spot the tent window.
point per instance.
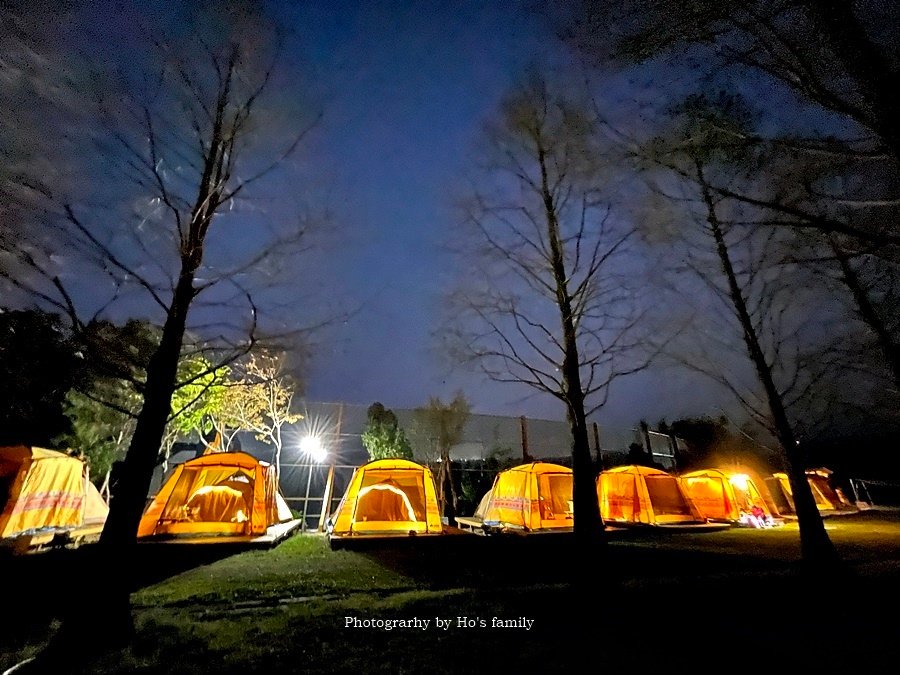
(211, 494)
(665, 496)
(390, 496)
(556, 495)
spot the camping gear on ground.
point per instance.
(726, 495)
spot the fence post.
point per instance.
(325, 511)
(523, 425)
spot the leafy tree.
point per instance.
(103, 407)
(444, 423)
(258, 399)
(383, 436)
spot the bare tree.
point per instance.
(771, 312)
(546, 301)
(833, 172)
(159, 224)
(444, 424)
(838, 54)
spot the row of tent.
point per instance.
(235, 497)
(397, 497)
(47, 497)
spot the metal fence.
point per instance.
(304, 489)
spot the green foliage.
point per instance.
(200, 396)
(103, 408)
(383, 436)
(100, 432)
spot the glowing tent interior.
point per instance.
(826, 496)
(222, 496)
(722, 495)
(388, 497)
(634, 495)
(45, 493)
(533, 497)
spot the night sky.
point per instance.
(405, 89)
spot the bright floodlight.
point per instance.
(312, 447)
(740, 480)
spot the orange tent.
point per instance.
(642, 495)
(719, 494)
(388, 497)
(531, 497)
(826, 497)
(44, 491)
(224, 493)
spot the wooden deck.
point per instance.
(274, 535)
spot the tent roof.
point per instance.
(639, 470)
(541, 467)
(393, 464)
(22, 452)
(709, 473)
(239, 459)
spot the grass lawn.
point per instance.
(662, 600)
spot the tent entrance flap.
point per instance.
(391, 497)
(216, 494)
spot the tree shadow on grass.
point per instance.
(45, 586)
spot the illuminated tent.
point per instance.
(723, 495)
(531, 497)
(388, 497)
(47, 492)
(641, 495)
(224, 494)
(825, 496)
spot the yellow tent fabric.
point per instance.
(45, 490)
(720, 494)
(223, 493)
(532, 497)
(388, 497)
(826, 497)
(642, 495)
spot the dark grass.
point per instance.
(660, 599)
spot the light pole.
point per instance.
(312, 447)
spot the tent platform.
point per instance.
(477, 526)
(274, 535)
(75, 536)
(473, 525)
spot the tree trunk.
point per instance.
(867, 312)
(445, 486)
(115, 557)
(588, 525)
(816, 548)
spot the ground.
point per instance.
(660, 599)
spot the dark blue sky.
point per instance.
(406, 88)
